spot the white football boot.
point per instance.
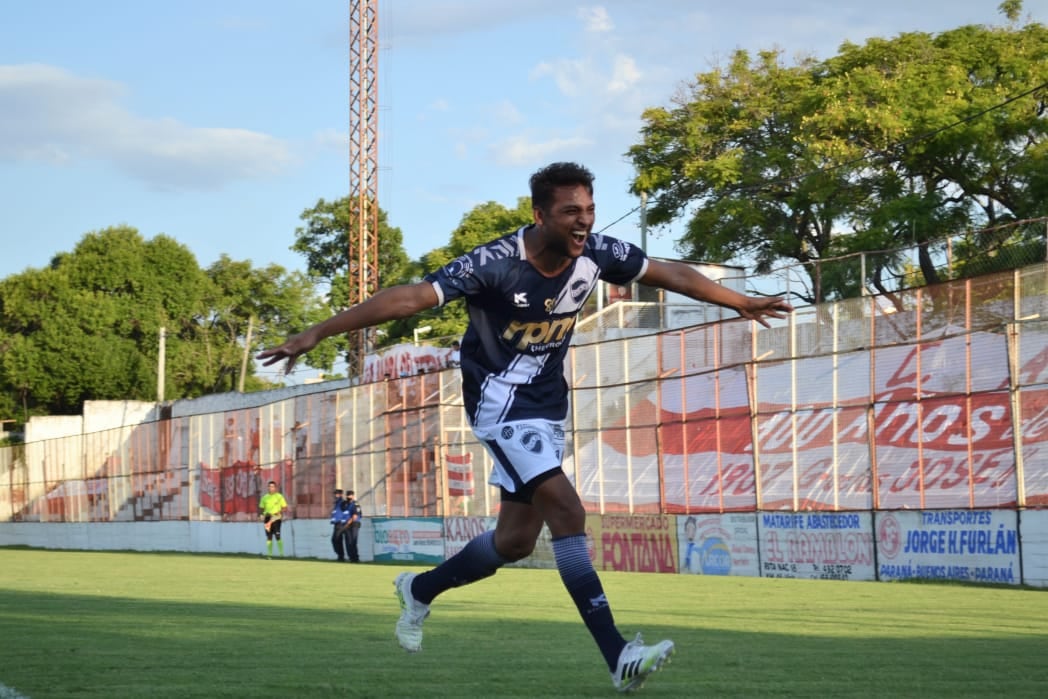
(412, 614)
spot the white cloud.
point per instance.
(595, 19)
(624, 74)
(48, 114)
(420, 21)
(591, 77)
(333, 139)
(506, 113)
(437, 106)
(569, 75)
(520, 151)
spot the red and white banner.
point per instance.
(405, 360)
(460, 474)
(237, 489)
(935, 431)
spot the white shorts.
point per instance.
(522, 450)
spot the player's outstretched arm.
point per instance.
(388, 304)
(682, 279)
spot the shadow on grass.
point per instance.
(62, 645)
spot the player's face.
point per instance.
(569, 220)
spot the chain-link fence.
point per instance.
(922, 263)
(928, 396)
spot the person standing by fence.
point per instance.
(353, 527)
(340, 526)
(271, 509)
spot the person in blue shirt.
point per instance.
(353, 526)
(340, 526)
(523, 292)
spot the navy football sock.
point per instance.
(478, 560)
(580, 578)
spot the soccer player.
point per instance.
(523, 292)
(271, 509)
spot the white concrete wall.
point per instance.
(303, 538)
(221, 402)
(1033, 542)
(44, 427)
(102, 415)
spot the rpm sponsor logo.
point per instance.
(538, 336)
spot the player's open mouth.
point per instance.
(579, 236)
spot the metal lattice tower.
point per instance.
(363, 165)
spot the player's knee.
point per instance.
(565, 519)
(514, 548)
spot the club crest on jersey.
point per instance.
(531, 441)
(549, 305)
(460, 267)
(621, 250)
(507, 432)
(579, 289)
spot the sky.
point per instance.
(219, 122)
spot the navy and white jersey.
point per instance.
(521, 322)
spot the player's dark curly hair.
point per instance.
(556, 175)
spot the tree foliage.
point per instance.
(482, 224)
(897, 141)
(324, 241)
(87, 327)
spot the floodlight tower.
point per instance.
(363, 166)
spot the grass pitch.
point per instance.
(93, 624)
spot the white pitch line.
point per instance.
(8, 693)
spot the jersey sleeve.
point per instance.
(458, 278)
(620, 262)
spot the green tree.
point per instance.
(954, 126)
(87, 327)
(896, 141)
(738, 153)
(246, 309)
(482, 224)
(324, 241)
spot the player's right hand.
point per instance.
(291, 350)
